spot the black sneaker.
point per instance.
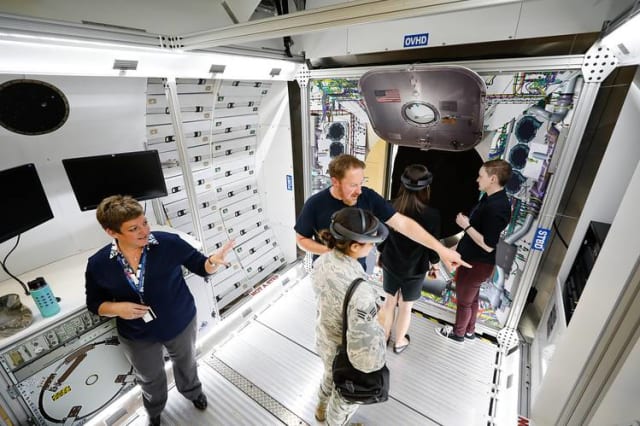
(447, 331)
(470, 336)
(200, 402)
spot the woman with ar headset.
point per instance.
(351, 235)
(405, 262)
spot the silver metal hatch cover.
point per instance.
(426, 106)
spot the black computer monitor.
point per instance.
(138, 174)
(24, 203)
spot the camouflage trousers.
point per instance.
(339, 411)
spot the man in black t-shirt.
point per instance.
(482, 230)
(346, 190)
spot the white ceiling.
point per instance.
(154, 16)
(448, 22)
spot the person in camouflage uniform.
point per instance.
(332, 274)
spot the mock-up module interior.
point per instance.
(426, 107)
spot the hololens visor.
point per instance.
(416, 185)
(377, 235)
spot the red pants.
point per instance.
(468, 282)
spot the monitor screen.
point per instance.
(138, 174)
(24, 203)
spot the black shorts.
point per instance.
(411, 287)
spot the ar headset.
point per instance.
(377, 235)
(416, 185)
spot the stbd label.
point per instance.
(540, 239)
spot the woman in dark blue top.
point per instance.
(138, 279)
(405, 262)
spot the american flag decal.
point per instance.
(390, 95)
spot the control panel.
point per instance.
(42, 345)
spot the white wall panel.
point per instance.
(472, 26)
(274, 164)
(106, 116)
(614, 198)
(323, 44)
(552, 17)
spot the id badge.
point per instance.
(149, 316)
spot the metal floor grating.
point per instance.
(434, 382)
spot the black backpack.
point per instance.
(352, 384)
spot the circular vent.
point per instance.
(32, 107)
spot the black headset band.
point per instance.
(416, 185)
(376, 235)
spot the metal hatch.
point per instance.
(426, 107)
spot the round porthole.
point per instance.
(419, 113)
(32, 107)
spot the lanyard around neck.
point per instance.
(135, 280)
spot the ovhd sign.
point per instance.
(416, 40)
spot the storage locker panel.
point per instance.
(158, 117)
(234, 146)
(196, 128)
(159, 131)
(240, 289)
(215, 238)
(175, 189)
(252, 230)
(195, 100)
(243, 110)
(264, 270)
(196, 114)
(228, 285)
(176, 209)
(193, 85)
(270, 261)
(251, 251)
(240, 122)
(243, 88)
(235, 175)
(197, 141)
(226, 273)
(169, 158)
(182, 221)
(207, 203)
(155, 88)
(162, 146)
(187, 228)
(213, 230)
(203, 180)
(228, 165)
(243, 191)
(229, 133)
(157, 101)
(219, 132)
(236, 224)
(158, 141)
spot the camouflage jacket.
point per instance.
(331, 276)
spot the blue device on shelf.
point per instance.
(43, 296)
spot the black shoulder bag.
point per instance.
(352, 384)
